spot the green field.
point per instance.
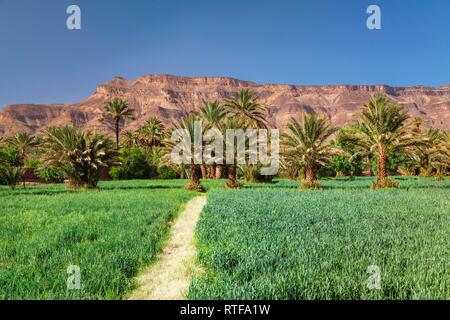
(110, 234)
(263, 241)
(277, 242)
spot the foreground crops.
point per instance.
(109, 234)
(283, 243)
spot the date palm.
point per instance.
(244, 112)
(184, 141)
(151, 133)
(116, 111)
(433, 154)
(23, 142)
(245, 108)
(78, 154)
(385, 131)
(213, 113)
(305, 146)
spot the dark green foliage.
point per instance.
(167, 172)
(133, 165)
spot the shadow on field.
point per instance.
(140, 187)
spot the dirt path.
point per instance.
(169, 277)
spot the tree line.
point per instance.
(385, 141)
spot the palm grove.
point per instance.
(383, 142)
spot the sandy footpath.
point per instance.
(169, 277)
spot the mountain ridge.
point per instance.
(169, 97)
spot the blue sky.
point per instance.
(296, 42)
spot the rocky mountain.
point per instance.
(170, 97)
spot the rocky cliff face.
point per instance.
(169, 97)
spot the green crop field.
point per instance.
(263, 241)
(109, 233)
(278, 242)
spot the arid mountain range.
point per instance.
(170, 97)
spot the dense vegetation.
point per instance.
(274, 242)
(110, 234)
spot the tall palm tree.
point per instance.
(79, 154)
(385, 130)
(117, 110)
(305, 146)
(213, 113)
(244, 112)
(188, 124)
(23, 142)
(151, 133)
(245, 107)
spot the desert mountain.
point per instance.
(170, 97)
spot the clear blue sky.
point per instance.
(276, 41)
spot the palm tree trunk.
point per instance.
(219, 171)
(203, 171)
(117, 129)
(194, 183)
(310, 175)
(382, 164)
(232, 177)
(369, 165)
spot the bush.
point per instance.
(167, 172)
(10, 175)
(9, 156)
(134, 165)
(49, 174)
(32, 164)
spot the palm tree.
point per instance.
(243, 112)
(188, 125)
(213, 113)
(79, 154)
(245, 107)
(305, 147)
(116, 110)
(349, 136)
(433, 155)
(152, 132)
(129, 138)
(385, 131)
(23, 142)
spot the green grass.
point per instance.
(274, 241)
(109, 233)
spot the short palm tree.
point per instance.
(187, 125)
(23, 142)
(305, 146)
(433, 154)
(117, 110)
(78, 154)
(129, 139)
(385, 131)
(151, 133)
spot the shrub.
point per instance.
(10, 175)
(78, 154)
(133, 165)
(167, 172)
